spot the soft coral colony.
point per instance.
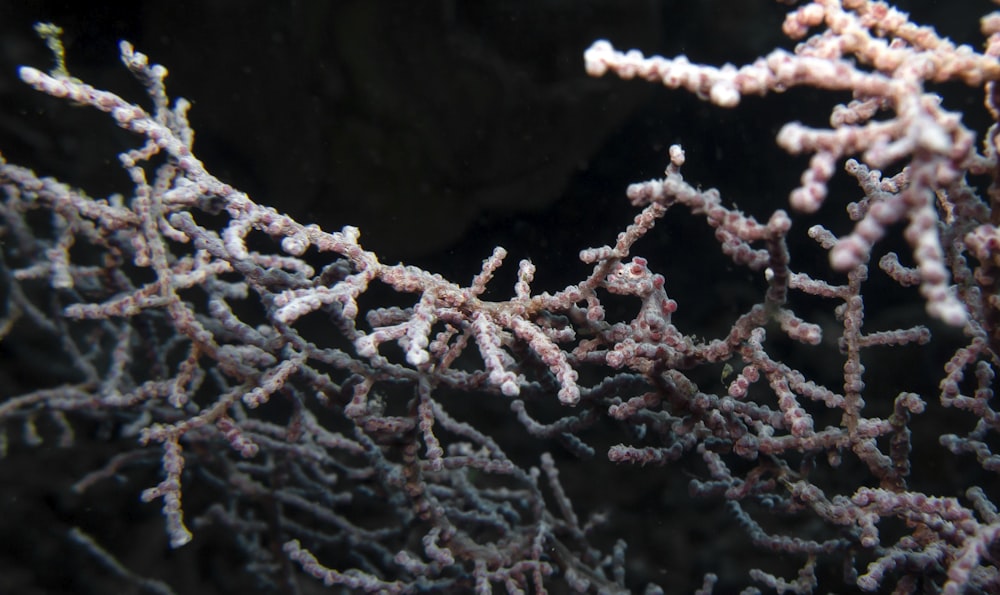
(342, 454)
